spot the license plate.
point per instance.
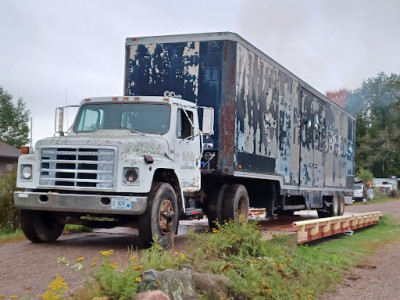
(121, 203)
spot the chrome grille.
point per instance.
(77, 167)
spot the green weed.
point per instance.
(9, 216)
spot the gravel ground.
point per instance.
(379, 276)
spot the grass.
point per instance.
(256, 269)
(7, 235)
(71, 228)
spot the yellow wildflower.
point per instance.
(92, 265)
(55, 289)
(114, 265)
(182, 255)
(107, 253)
(2, 296)
(137, 267)
(280, 266)
(80, 259)
(138, 279)
(95, 258)
(13, 297)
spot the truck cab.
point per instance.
(134, 159)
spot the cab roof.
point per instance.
(138, 99)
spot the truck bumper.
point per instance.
(81, 203)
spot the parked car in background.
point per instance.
(386, 186)
(360, 192)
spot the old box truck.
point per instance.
(207, 124)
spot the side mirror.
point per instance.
(208, 121)
(59, 121)
(59, 118)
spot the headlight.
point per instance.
(130, 175)
(27, 171)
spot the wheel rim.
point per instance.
(166, 216)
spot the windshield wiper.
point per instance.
(132, 130)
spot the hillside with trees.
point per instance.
(376, 105)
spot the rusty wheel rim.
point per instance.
(166, 216)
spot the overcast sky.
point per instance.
(54, 53)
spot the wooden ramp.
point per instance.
(311, 230)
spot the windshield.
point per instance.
(141, 117)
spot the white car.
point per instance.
(360, 192)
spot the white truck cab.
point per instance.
(123, 156)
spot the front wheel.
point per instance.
(40, 226)
(161, 217)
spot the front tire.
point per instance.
(40, 226)
(161, 217)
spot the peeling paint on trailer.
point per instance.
(268, 122)
(283, 128)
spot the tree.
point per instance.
(14, 119)
(339, 96)
(377, 107)
(364, 175)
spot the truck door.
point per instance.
(187, 149)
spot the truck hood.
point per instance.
(128, 143)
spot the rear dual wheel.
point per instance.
(228, 202)
(336, 207)
(236, 203)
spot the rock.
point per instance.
(178, 285)
(214, 285)
(183, 284)
(152, 295)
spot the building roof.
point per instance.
(9, 151)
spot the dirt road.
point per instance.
(379, 277)
(27, 268)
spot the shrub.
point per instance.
(9, 216)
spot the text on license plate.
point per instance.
(121, 203)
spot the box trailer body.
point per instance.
(270, 126)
